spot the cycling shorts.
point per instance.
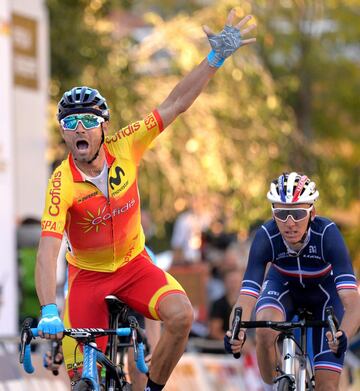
(140, 284)
(277, 293)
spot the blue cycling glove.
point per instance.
(342, 344)
(50, 322)
(227, 344)
(223, 45)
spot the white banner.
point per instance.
(23, 111)
(8, 269)
(215, 372)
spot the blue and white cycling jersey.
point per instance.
(324, 255)
(310, 278)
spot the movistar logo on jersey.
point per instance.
(116, 180)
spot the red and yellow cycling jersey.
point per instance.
(103, 233)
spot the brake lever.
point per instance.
(236, 327)
(25, 337)
(332, 321)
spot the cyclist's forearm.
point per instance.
(351, 319)
(185, 92)
(45, 270)
(247, 304)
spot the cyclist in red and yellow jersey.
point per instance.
(93, 200)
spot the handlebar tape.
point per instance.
(140, 362)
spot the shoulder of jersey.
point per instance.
(320, 223)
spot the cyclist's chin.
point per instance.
(292, 238)
(81, 156)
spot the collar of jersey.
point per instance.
(294, 253)
(76, 173)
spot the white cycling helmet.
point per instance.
(292, 188)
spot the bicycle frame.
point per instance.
(92, 356)
(296, 376)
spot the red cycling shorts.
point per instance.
(139, 283)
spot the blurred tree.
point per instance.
(230, 143)
(312, 50)
(242, 131)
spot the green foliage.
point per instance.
(287, 103)
(29, 304)
(312, 51)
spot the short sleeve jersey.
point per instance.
(103, 233)
(324, 255)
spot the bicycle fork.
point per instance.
(287, 369)
(90, 369)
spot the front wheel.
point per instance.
(83, 385)
(284, 384)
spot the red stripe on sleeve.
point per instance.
(54, 234)
(159, 120)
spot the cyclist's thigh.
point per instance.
(84, 307)
(146, 285)
(275, 298)
(323, 296)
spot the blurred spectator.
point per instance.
(187, 234)
(216, 239)
(234, 257)
(220, 309)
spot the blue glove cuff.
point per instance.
(342, 344)
(215, 60)
(227, 344)
(49, 310)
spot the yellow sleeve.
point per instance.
(137, 136)
(56, 205)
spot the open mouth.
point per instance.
(82, 145)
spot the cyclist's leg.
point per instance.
(327, 367)
(84, 307)
(157, 295)
(274, 304)
(152, 331)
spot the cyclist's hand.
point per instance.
(50, 325)
(234, 347)
(338, 347)
(228, 40)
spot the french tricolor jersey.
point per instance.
(324, 256)
(103, 233)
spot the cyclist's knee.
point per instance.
(177, 313)
(266, 338)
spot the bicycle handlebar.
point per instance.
(28, 334)
(283, 326)
(237, 324)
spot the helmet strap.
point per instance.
(98, 150)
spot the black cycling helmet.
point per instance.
(83, 100)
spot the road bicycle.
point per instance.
(295, 372)
(113, 377)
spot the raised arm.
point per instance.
(189, 88)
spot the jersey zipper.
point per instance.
(300, 273)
